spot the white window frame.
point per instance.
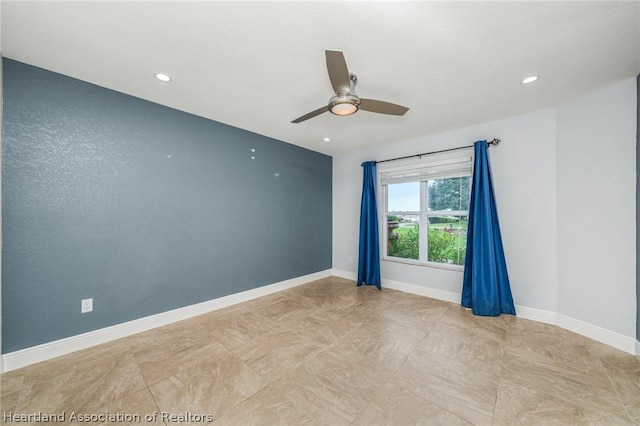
(457, 163)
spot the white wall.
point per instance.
(596, 172)
(524, 174)
(536, 176)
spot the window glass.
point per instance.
(404, 197)
(403, 217)
(447, 239)
(444, 219)
(449, 194)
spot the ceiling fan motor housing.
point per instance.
(346, 103)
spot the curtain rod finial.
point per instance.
(494, 142)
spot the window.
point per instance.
(426, 209)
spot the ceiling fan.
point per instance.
(345, 101)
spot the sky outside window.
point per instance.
(403, 197)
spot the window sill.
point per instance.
(435, 265)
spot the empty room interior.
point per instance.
(336, 213)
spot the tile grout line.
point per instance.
(419, 396)
(613, 385)
(500, 376)
(411, 353)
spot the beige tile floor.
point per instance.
(330, 353)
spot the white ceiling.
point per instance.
(259, 65)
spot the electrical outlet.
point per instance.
(86, 306)
(350, 259)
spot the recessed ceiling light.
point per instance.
(529, 79)
(326, 140)
(163, 77)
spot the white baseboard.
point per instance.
(535, 314)
(602, 335)
(45, 351)
(344, 274)
(608, 337)
(433, 293)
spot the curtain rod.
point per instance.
(492, 142)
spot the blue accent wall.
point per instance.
(142, 208)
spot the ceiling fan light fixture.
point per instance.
(344, 105)
(344, 109)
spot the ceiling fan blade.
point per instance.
(338, 72)
(382, 107)
(311, 114)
